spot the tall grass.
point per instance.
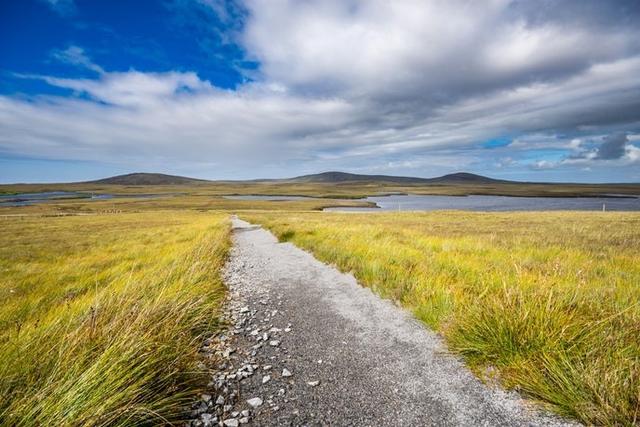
(549, 301)
(102, 315)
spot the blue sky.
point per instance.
(251, 89)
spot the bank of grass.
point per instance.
(549, 301)
(101, 315)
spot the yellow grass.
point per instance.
(548, 301)
(102, 315)
(177, 202)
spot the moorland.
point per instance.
(106, 301)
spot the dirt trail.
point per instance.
(354, 359)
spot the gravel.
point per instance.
(337, 354)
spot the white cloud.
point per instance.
(76, 55)
(362, 85)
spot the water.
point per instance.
(26, 199)
(495, 203)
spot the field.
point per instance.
(336, 190)
(547, 303)
(180, 202)
(102, 315)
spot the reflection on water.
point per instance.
(495, 203)
(25, 199)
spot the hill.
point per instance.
(337, 177)
(324, 177)
(140, 178)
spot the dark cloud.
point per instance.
(613, 147)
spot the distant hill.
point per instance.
(337, 177)
(325, 177)
(148, 179)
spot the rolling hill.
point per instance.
(336, 177)
(141, 178)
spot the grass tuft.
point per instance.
(103, 316)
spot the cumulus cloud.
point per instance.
(404, 87)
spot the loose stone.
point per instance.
(255, 402)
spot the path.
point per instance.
(354, 359)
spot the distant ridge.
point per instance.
(141, 178)
(454, 178)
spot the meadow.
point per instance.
(335, 190)
(545, 303)
(102, 316)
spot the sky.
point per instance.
(545, 90)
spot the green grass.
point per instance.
(178, 203)
(102, 315)
(548, 301)
(341, 190)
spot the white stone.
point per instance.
(254, 402)
(286, 373)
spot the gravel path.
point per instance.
(309, 346)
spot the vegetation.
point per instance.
(105, 301)
(177, 202)
(546, 302)
(102, 315)
(337, 190)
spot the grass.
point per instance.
(341, 190)
(102, 315)
(547, 303)
(178, 202)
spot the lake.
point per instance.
(494, 203)
(25, 199)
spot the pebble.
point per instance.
(286, 373)
(266, 379)
(266, 367)
(274, 343)
(244, 420)
(254, 402)
(313, 383)
(207, 419)
(231, 422)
